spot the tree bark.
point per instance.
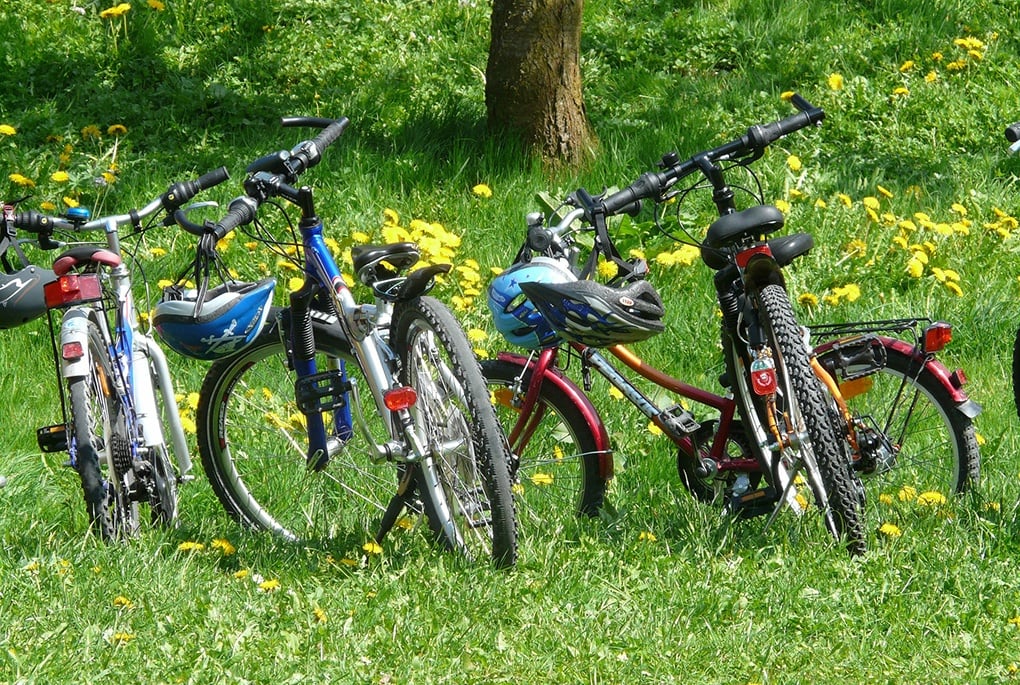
(533, 77)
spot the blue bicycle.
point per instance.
(331, 415)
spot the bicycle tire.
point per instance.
(841, 493)
(253, 440)
(469, 458)
(927, 443)
(97, 429)
(556, 470)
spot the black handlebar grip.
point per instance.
(241, 211)
(182, 191)
(1013, 132)
(628, 200)
(762, 135)
(34, 222)
(309, 153)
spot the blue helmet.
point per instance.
(223, 322)
(516, 318)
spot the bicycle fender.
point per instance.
(584, 405)
(952, 381)
(74, 334)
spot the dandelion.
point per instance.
(647, 536)
(615, 393)
(884, 192)
(476, 335)
(871, 202)
(907, 66)
(890, 530)
(390, 217)
(122, 602)
(7, 130)
(294, 283)
(156, 5)
(116, 11)
(907, 493)
(885, 498)
(608, 270)
(820, 204)
(957, 65)
(224, 546)
(189, 546)
(91, 132)
(654, 429)
(954, 288)
(793, 161)
(931, 498)
(372, 547)
(116, 130)
(1015, 621)
(959, 209)
(835, 81)
(241, 574)
(856, 248)
(901, 91)
(931, 77)
(539, 478)
(23, 181)
(808, 300)
(121, 638)
(319, 615)
(992, 506)
(269, 585)
(845, 200)
(481, 190)
(783, 206)
(915, 268)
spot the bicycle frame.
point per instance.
(130, 349)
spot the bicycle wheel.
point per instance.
(253, 443)
(911, 428)
(464, 483)
(100, 451)
(556, 457)
(837, 490)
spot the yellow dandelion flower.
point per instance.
(116, 11)
(820, 204)
(907, 493)
(23, 181)
(269, 585)
(653, 429)
(116, 130)
(957, 65)
(372, 547)
(91, 132)
(954, 288)
(59, 177)
(224, 546)
(931, 498)
(608, 270)
(1015, 621)
(122, 602)
(190, 546)
(109, 177)
(786, 95)
(915, 268)
(931, 77)
(907, 66)
(647, 536)
(793, 161)
(890, 530)
(872, 215)
(476, 335)
(319, 615)
(242, 573)
(188, 424)
(856, 247)
(885, 498)
(936, 56)
(808, 300)
(156, 5)
(539, 478)
(391, 217)
(871, 202)
(796, 194)
(845, 200)
(802, 501)
(783, 206)
(884, 192)
(481, 190)
(7, 130)
(121, 638)
(835, 81)
(959, 209)
(900, 241)
(992, 506)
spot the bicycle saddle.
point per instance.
(377, 262)
(757, 220)
(84, 254)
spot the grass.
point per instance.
(695, 598)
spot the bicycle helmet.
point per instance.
(514, 315)
(598, 315)
(21, 295)
(214, 324)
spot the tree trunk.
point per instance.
(533, 77)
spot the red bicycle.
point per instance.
(872, 399)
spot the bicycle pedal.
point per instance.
(52, 438)
(321, 392)
(680, 420)
(753, 503)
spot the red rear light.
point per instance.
(400, 398)
(72, 350)
(937, 336)
(72, 289)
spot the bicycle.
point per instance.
(1013, 137)
(284, 433)
(116, 395)
(774, 404)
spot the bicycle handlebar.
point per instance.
(174, 197)
(652, 184)
(270, 176)
(1013, 132)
